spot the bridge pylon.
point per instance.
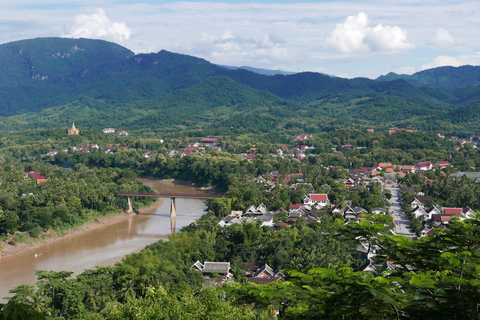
(173, 215)
(130, 204)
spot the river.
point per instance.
(102, 246)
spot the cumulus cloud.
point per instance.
(232, 48)
(442, 61)
(443, 39)
(355, 35)
(97, 26)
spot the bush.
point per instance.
(35, 232)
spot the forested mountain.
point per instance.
(448, 77)
(52, 81)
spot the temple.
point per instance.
(73, 130)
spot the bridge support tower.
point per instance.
(130, 204)
(173, 215)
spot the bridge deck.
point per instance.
(171, 195)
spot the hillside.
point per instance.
(446, 77)
(53, 81)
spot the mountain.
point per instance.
(447, 77)
(266, 72)
(52, 81)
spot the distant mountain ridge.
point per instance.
(48, 81)
(266, 72)
(448, 77)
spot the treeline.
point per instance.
(68, 197)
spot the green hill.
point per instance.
(52, 81)
(447, 77)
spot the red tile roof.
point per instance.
(451, 211)
(295, 206)
(319, 197)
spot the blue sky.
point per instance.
(364, 38)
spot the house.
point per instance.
(108, 130)
(351, 212)
(263, 274)
(452, 211)
(37, 176)
(384, 165)
(261, 209)
(267, 219)
(442, 219)
(423, 166)
(468, 213)
(442, 164)
(222, 268)
(229, 220)
(408, 169)
(350, 183)
(209, 142)
(303, 137)
(318, 200)
(419, 213)
(379, 211)
(123, 133)
(419, 201)
(372, 267)
(433, 211)
(296, 213)
(300, 177)
(295, 206)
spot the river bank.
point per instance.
(9, 247)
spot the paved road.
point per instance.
(400, 219)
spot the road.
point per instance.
(400, 219)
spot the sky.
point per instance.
(364, 38)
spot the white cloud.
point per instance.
(97, 26)
(443, 39)
(355, 35)
(233, 48)
(442, 61)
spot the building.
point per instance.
(73, 131)
(108, 130)
(318, 200)
(123, 133)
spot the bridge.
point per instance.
(172, 196)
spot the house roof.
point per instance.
(423, 164)
(318, 197)
(451, 211)
(219, 267)
(385, 164)
(295, 206)
(466, 209)
(265, 268)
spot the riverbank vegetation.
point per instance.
(62, 199)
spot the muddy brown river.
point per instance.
(102, 246)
